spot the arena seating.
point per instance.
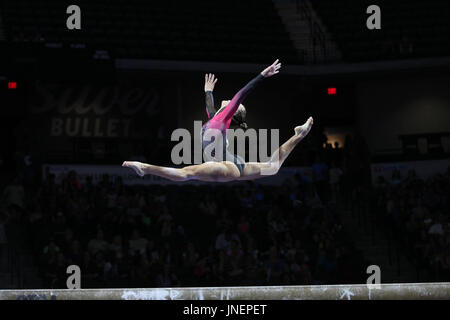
(237, 31)
(233, 31)
(409, 28)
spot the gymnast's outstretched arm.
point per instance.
(210, 82)
(233, 105)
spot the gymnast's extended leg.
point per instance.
(256, 170)
(209, 171)
(226, 171)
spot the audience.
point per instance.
(265, 236)
(184, 235)
(418, 212)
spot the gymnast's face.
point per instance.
(224, 103)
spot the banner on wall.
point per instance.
(130, 178)
(92, 111)
(424, 169)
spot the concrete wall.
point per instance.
(405, 104)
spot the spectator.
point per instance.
(14, 194)
(437, 227)
(320, 177)
(116, 247)
(243, 225)
(3, 238)
(223, 240)
(166, 278)
(335, 179)
(97, 244)
(137, 244)
(274, 266)
(74, 253)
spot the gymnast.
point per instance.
(229, 167)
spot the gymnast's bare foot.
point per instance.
(135, 165)
(304, 129)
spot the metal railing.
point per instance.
(16, 268)
(13, 258)
(13, 267)
(370, 219)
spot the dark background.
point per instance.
(392, 106)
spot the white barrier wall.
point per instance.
(424, 169)
(130, 178)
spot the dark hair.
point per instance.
(239, 119)
(243, 125)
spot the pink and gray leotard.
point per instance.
(221, 121)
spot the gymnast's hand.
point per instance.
(210, 82)
(272, 69)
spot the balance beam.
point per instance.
(403, 291)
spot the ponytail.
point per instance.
(243, 125)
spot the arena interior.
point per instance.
(368, 186)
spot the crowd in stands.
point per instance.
(407, 31)
(418, 212)
(184, 235)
